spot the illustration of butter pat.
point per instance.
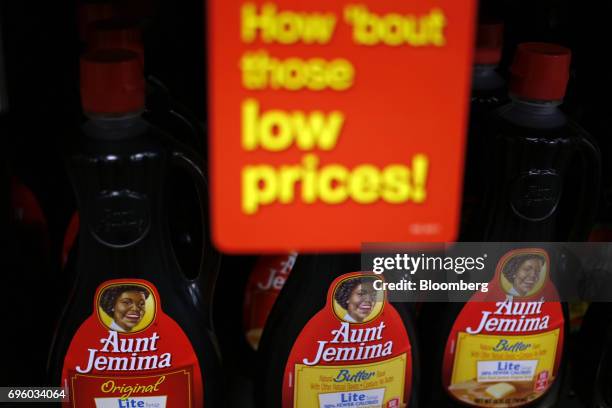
(500, 390)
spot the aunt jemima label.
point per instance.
(505, 347)
(353, 353)
(128, 353)
(263, 287)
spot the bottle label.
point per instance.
(506, 346)
(128, 353)
(354, 353)
(263, 287)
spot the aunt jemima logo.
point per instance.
(126, 309)
(355, 302)
(523, 274)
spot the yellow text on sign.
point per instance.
(395, 29)
(277, 130)
(261, 71)
(285, 27)
(263, 184)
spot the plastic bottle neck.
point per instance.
(115, 127)
(534, 114)
(485, 77)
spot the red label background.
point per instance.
(258, 302)
(405, 100)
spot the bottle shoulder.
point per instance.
(508, 121)
(134, 144)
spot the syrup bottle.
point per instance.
(109, 31)
(165, 112)
(544, 170)
(263, 287)
(535, 153)
(260, 280)
(488, 93)
(25, 258)
(503, 348)
(134, 318)
(593, 379)
(237, 356)
(90, 12)
(333, 338)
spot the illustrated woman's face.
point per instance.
(361, 302)
(527, 276)
(129, 309)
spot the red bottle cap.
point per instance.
(91, 12)
(489, 41)
(540, 71)
(112, 82)
(116, 34)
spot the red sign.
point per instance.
(335, 123)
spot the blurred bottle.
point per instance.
(247, 286)
(124, 25)
(259, 279)
(591, 89)
(264, 284)
(124, 33)
(25, 261)
(543, 170)
(166, 113)
(488, 93)
(105, 26)
(488, 86)
(90, 12)
(592, 365)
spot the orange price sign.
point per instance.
(335, 123)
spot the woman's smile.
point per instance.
(129, 309)
(361, 302)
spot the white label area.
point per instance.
(361, 399)
(132, 402)
(506, 370)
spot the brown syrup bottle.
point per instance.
(118, 166)
(103, 26)
(26, 261)
(488, 93)
(248, 286)
(542, 186)
(592, 365)
(303, 323)
(544, 170)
